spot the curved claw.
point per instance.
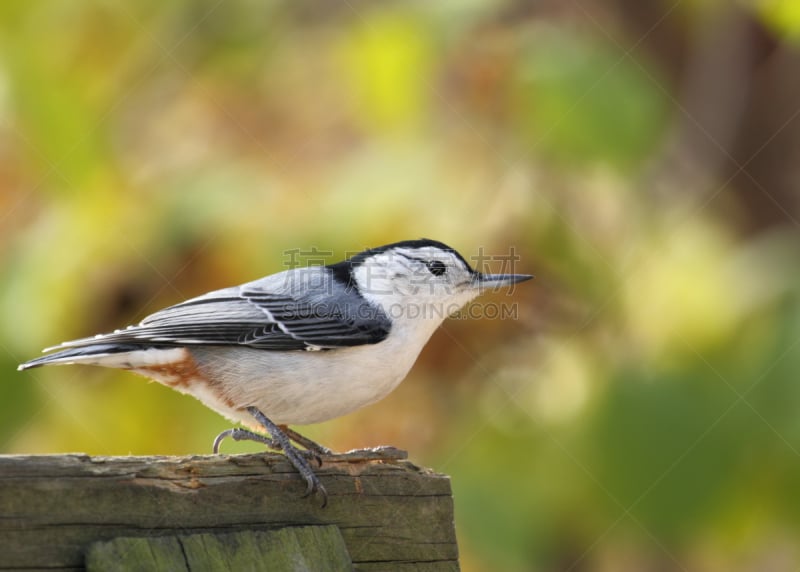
(239, 434)
(298, 459)
(295, 456)
(323, 493)
(313, 485)
(220, 438)
(310, 487)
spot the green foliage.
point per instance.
(586, 101)
(783, 15)
(642, 407)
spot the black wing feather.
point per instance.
(252, 317)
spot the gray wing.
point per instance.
(301, 309)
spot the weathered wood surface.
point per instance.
(392, 515)
(317, 548)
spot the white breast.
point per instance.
(306, 387)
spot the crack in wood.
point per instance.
(54, 506)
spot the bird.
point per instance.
(298, 347)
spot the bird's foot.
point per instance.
(281, 438)
(239, 434)
(312, 446)
(295, 456)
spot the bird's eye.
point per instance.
(436, 267)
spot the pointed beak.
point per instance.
(484, 281)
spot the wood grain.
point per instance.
(391, 513)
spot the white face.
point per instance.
(426, 282)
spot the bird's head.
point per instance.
(420, 279)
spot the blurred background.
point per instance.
(641, 158)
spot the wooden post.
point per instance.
(209, 512)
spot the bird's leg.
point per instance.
(294, 455)
(312, 446)
(280, 440)
(314, 450)
(239, 434)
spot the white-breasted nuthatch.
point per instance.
(297, 347)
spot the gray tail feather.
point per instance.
(66, 356)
